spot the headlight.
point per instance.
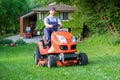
(73, 39)
(62, 39)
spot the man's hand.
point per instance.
(50, 26)
(60, 26)
(47, 25)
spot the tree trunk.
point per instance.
(108, 25)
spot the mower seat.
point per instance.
(43, 43)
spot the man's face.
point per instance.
(52, 12)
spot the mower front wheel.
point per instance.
(51, 61)
(83, 59)
(36, 56)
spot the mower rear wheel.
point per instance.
(51, 61)
(83, 59)
(36, 56)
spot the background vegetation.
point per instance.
(99, 16)
(10, 11)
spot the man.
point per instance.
(51, 22)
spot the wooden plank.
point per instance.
(21, 26)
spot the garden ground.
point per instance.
(34, 39)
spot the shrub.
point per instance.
(6, 41)
(20, 41)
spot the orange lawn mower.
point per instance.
(61, 51)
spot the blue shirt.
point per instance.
(53, 20)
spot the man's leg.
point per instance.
(47, 34)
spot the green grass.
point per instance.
(16, 63)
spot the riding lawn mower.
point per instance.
(60, 51)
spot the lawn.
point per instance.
(16, 63)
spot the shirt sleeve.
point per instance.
(45, 20)
(59, 21)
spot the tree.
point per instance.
(38, 3)
(100, 16)
(108, 13)
(10, 10)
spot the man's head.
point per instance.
(52, 11)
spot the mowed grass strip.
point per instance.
(17, 63)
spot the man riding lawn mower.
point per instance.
(59, 46)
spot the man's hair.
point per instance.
(52, 8)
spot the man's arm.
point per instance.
(46, 23)
(59, 22)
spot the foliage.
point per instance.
(6, 35)
(10, 10)
(9, 41)
(65, 1)
(6, 41)
(99, 16)
(103, 39)
(76, 23)
(107, 14)
(38, 3)
(20, 41)
(40, 25)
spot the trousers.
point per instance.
(47, 33)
